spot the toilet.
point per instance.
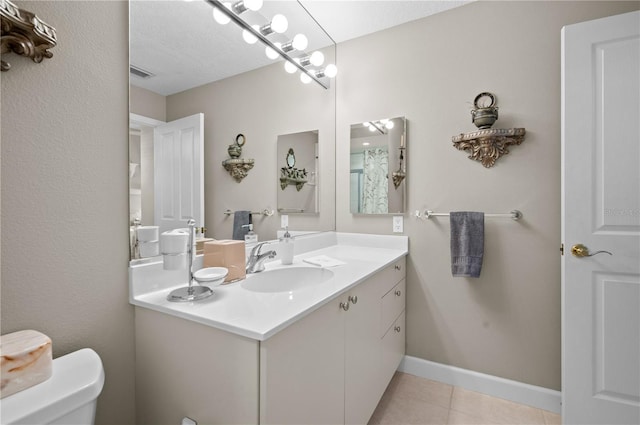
(68, 397)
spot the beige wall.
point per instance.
(64, 193)
(147, 103)
(507, 322)
(260, 104)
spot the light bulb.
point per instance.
(279, 23)
(304, 77)
(331, 71)
(289, 67)
(219, 16)
(389, 124)
(248, 37)
(317, 58)
(300, 42)
(254, 5)
(366, 124)
(372, 128)
(272, 54)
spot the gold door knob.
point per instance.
(580, 251)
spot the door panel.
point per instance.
(601, 209)
(179, 172)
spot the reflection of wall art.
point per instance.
(487, 145)
(291, 175)
(237, 167)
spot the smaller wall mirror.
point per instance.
(378, 166)
(298, 178)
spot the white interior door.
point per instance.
(601, 210)
(179, 172)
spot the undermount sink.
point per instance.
(286, 279)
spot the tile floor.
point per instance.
(413, 400)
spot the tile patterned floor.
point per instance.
(413, 400)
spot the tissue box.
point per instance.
(229, 254)
(26, 360)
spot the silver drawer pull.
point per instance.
(398, 293)
(397, 329)
(397, 267)
(344, 306)
(353, 299)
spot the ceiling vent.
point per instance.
(139, 72)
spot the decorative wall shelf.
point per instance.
(238, 168)
(293, 176)
(487, 145)
(25, 34)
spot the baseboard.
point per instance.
(531, 395)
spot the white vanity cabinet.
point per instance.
(329, 367)
(333, 366)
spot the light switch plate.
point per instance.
(398, 224)
(284, 221)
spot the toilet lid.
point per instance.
(76, 380)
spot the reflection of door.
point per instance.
(601, 209)
(178, 172)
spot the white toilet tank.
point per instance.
(69, 397)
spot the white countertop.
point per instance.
(260, 315)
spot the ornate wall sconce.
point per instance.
(237, 167)
(487, 145)
(25, 34)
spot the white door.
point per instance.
(601, 210)
(179, 172)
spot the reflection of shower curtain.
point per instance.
(375, 182)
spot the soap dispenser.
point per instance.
(250, 237)
(286, 247)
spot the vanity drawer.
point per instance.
(393, 304)
(391, 275)
(393, 347)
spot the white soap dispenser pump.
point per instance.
(286, 247)
(250, 237)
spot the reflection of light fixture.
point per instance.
(365, 143)
(224, 12)
(381, 125)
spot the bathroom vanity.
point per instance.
(322, 352)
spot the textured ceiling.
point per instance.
(179, 42)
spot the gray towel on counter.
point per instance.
(241, 218)
(467, 243)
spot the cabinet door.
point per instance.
(392, 349)
(302, 370)
(362, 353)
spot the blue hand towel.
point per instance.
(467, 243)
(241, 218)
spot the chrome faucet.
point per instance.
(255, 262)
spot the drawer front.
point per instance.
(393, 304)
(393, 344)
(391, 275)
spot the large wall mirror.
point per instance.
(184, 64)
(378, 166)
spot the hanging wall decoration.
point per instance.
(487, 145)
(237, 167)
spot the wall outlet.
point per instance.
(284, 221)
(398, 224)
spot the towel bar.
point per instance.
(514, 214)
(266, 212)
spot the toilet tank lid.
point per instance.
(77, 379)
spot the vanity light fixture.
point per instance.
(224, 12)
